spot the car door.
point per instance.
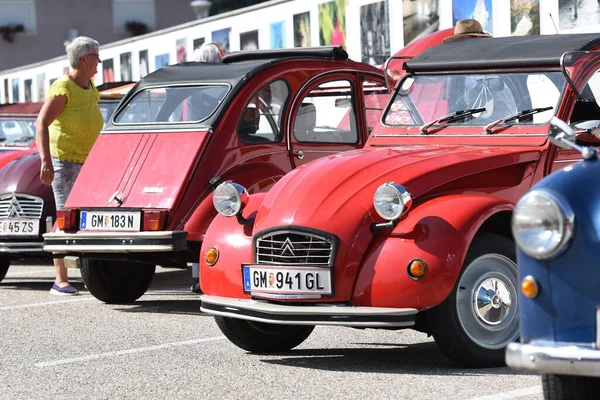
(335, 113)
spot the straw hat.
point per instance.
(467, 28)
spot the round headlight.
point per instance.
(230, 198)
(542, 224)
(391, 201)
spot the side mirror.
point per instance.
(591, 127)
(561, 134)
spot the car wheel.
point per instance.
(116, 282)
(564, 387)
(258, 337)
(480, 317)
(4, 265)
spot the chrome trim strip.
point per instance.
(110, 235)
(108, 248)
(323, 314)
(22, 247)
(115, 242)
(554, 358)
(567, 161)
(456, 135)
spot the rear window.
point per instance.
(184, 104)
(16, 132)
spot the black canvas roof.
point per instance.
(516, 51)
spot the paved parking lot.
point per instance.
(163, 347)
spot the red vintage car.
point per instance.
(27, 207)
(413, 231)
(143, 197)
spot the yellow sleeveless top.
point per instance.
(74, 132)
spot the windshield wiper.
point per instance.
(512, 117)
(451, 117)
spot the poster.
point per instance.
(420, 18)
(481, 10)
(126, 67)
(161, 60)
(143, 65)
(302, 29)
(108, 72)
(579, 14)
(181, 50)
(332, 23)
(222, 37)
(27, 84)
(277, 30)
(375, 33)
(198, 43)
(41, 89)
(249, 40)
(524, 17)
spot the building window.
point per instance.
(18, 12)
(137, 11)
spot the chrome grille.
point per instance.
(20, 206)
(294, 248)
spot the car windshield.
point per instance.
(16, 132)
(181, 104)
(107, 108)
(421, 100)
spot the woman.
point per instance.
(66, 129)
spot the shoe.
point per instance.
(196, 287)
(63, 291)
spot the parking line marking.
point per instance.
(46, 303)
(513, 394)
(129, 351)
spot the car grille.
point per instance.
(20, 206)
(294, 248)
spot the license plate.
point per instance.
(20, 227)
(109, 221)
(286, 282)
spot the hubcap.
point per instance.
(486, 301)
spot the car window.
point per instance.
(326, 114)
(16, 132)
(107, 109)
(421, 99)
(588, 108)
(376, 99)
(261, 119)
(188, 104)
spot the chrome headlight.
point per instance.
(230, 198)
(391, 201)
(542, 224)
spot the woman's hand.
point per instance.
(47, 173)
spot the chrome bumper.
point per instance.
(22, 247)
(554, 358)
(322, 314)
(115, 242)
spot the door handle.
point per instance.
(299, 154)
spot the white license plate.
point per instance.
(110, 221)
(20, 227)
(286, 282)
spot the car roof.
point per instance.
(21, 110)
(505, 52)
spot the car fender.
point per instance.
(439, 232)
(234, 243)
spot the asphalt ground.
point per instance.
(161, 346)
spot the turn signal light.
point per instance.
(417, 269)
(66, 219)
(529, 287)
(155, 220)
(212, 255)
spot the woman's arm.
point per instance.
(51, 109)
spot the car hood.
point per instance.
(340, 188)
(23, 176)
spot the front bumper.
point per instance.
(115, 242)
(16, 246)
(300, 314)
(554, 358)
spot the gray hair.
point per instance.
(79, 47)
(208, 52)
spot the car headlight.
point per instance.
(391, 201)
(542, 224)
(230, 198)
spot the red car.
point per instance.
(143, 197)
(17, 131)
(413, 231)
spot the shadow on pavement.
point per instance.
(417, 359)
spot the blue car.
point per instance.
(557, 229)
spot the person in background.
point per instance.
(209, 53)
(66, 129)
